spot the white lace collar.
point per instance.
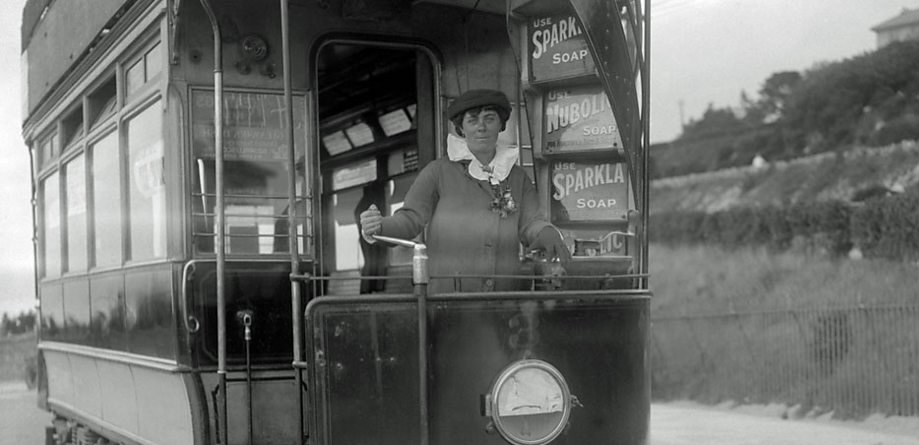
(500, 166)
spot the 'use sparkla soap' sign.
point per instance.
(595, 191)
(558, 49)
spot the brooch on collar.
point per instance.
(503, 202)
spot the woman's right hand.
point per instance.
(371, 222)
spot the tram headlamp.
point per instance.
(529, 403)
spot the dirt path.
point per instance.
(684, 423)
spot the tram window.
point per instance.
(147, 191)
(48, 150)
(256, 172)
(144, 69)
(51, 218)
(348, 254)
(134, 77)
(106, 193)
(75, 195)
(101, 103)
(153, 61)
(72, 126)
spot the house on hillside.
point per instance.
(897, 29)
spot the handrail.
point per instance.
(187, 271)
(420, 280)
(293, 241)
(219, 241)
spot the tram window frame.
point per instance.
(135, 237)
(51, 265)
(75, 246)
(48, 149)
(102, 103)
(148, 55)
(72, 127)
(241, 241)
(109, 248)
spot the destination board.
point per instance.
(579, 118)
(590, 191)
(557, 49)
(253, 125)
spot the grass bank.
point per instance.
(702, 279)
(815, 333)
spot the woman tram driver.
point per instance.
(478, 205)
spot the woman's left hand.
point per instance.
(550, 241)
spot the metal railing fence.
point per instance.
(853, 361)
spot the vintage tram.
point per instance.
(197, 170)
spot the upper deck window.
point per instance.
(48, 150)
(143, 69)
(102, 103)
(72, 127)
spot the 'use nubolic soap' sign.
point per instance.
(579, 118)
(591, 191)
(558, 49)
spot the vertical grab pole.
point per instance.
(219, 217)
(420, 279)
(292, 235)
(646, 160)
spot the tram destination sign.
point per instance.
(579, 118)
(590, 191)
(253, 125)
(557, 49)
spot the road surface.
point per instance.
(22, 423)
(688, 423)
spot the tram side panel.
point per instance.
(117, 373)
(367, 366)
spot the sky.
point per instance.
(703, 52)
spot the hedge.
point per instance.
(884, 227)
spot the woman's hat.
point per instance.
(478, 98)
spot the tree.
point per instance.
(6, 324)
(775, 92)
(714, 122)
(24, 322)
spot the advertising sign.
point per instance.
(590, 191)
(594, 242)
(253, 125)
(579, 119)
(557, 49)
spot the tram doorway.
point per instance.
(376, 125)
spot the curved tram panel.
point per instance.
(366, 356)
